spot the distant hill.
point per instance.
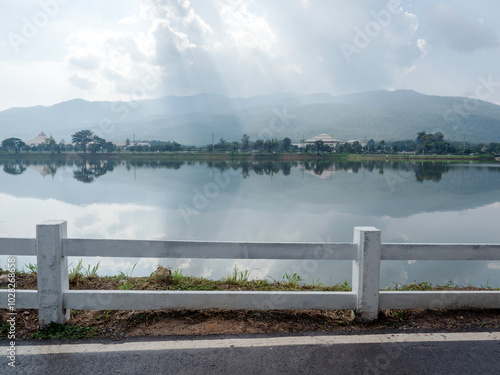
(388, 115)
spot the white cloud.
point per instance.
(246, 29)
(114, 62)
(421, 43)
(132, 20)
(82, 82)
(86, 62)
(401, 29)
(178, 17)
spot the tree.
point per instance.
(51, 145)
(357, 148)
(271, 145)
(381, 146)
(319, 146)
(13, 144)
(83, 138)
(110, 147)
(259, 145)
(245, 141)
(268, 145)
(370, 146)
(177, 146)
(100, 142)
(222, 146)
(234, 147)
(287, 143)
(346, 149)
(433, 143)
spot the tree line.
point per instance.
(425, 143)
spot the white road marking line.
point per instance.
(255, 342)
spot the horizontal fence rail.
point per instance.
(442, 251)
(208, 250)
(17, 246)
(439, 299)
(25, 299)
(54, 300)
(198, 300)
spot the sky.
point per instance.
(57, 50)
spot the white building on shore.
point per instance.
(42, 137)
(327, 140)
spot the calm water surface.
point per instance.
(262, 201)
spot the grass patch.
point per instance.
(237, 276)
(165, 278)
(66, 331)
(78, 273)
(32, 268)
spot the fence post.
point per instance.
(52, 272)
(366, 273)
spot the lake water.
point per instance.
(262, 201)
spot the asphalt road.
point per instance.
(368, 353)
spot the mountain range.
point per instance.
(378, 115)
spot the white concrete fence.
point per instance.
(54, 299)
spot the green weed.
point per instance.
(123, 275)
(317, 283)
(92, 271)
(65, 331)
(237, 276)
(292, 280)
(31, 267)
(76, 272)
(4, 329)
(105, 315)
(177, 275)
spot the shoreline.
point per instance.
(447, 158)
(291, 157)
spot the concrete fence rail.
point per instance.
(54, 300)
